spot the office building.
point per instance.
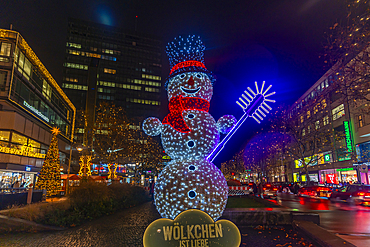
(125, 67)
(31, 104)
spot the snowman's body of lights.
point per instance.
(189, 134)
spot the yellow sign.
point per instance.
(191, 228)
(26, 150)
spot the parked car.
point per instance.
(269, 191)
(354, 193)
(315, 191)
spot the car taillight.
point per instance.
(264, 188)
(361, 193)
(275, 189)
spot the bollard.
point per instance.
(29, 196)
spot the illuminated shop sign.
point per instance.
(347, 132)
(37, 112)
(345, 169)
(311, 160)
(332, 178)
(24, 151)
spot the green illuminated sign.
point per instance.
(327, 157)
(347, 132)
(345, 169)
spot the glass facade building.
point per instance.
(31, 104)
(128, 72)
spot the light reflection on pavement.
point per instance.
(350, 222)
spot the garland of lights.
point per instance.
(189, 134)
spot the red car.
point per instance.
(269, 191)
(354, 193)
(315, 191)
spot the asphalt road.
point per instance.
(350, 222)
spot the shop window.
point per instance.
(338, 112)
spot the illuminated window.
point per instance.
(302, 118)
(338, 112)
(325, 120)
(360, 121)
(46, 89)
(76, 66)
(303, 132)
(5, 49)
(4, 135)
(308, 114)
(16, 138)
(73, 45)
(308, 129)
(109, 71)
(317, 124)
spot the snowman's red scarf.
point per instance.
(177, 105)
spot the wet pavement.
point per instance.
(350, 222)
(126, 228)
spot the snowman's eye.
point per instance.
(182, 76)
(198, 75)
(191, 116)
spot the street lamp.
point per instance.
(79, 149)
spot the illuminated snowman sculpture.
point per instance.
(190, 135)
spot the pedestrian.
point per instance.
(255, 189)
(151, 190)
(260, 189)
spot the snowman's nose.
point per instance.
(191, 81)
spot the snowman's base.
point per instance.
(192, 184)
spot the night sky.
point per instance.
(278, 41)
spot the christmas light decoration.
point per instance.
(112, 171)
(254, 105)
(189, 133)
(85, 166)
(49, 177)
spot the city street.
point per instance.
(350, 222)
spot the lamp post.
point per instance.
(69, 166)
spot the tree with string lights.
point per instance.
(49, 178)
(348, 55)
(301, 138)
(233, 167)
(118, 140)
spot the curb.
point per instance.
(10, 224)
(319, 235)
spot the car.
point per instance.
(269, 191)
(315, 191)
(355, 194)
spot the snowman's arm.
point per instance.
(226, 123)
(152, 126)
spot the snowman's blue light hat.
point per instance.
(186, 54)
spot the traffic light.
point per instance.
(232, 174)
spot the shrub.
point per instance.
(88, 201)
